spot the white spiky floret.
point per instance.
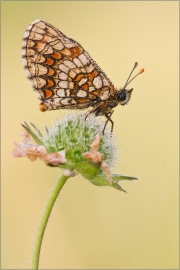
(75, 134)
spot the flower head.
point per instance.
(76, 145)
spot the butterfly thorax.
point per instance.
(116, 97)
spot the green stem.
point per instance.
(44, 219)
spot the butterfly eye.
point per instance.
(122, 95)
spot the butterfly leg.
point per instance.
(94, 109)
(108, 119)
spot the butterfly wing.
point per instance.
(62, 73)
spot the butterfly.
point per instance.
(64, 76)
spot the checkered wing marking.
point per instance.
(62, 73)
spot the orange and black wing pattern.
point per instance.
(62, 73)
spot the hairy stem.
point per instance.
(44, 219)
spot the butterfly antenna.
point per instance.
(141, 71)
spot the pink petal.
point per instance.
(31, 157)
(55, 158)
(105, 168)
(17, 151)
(95, 144)
(26, 135)
(95, 157)
(38, 151)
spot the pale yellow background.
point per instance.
(93, 227)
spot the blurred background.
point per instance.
(93, 227)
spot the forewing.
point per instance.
(62, 73)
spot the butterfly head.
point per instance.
(125, 94)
